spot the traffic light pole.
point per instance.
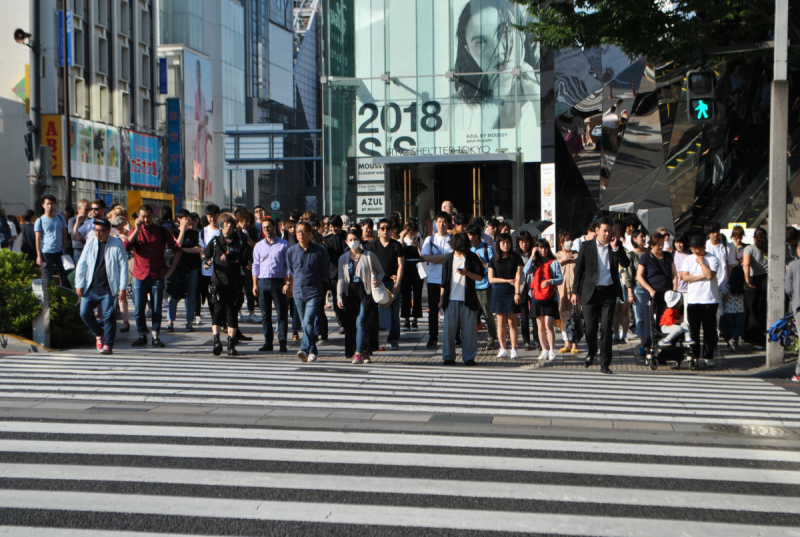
(67, 126)
(778, 177)
(36, 100)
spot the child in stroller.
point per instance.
(672, 324)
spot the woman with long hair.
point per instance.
(505, 275)
(359, 271)
(525, 247)
(657, 274)
(229, 254)
(246, 228)
(755, 261)
(566, 258)
(411, 237)
(637, 295)
(737, 238)
(547, 276)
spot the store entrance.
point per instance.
(478, 189)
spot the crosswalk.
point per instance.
(80, 477)
(385, 388)
(63, 479)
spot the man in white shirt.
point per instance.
(726, 255)
(209, 232)
(434, 252)
(699, 270)
(590, 235)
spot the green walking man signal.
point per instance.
(701, 96)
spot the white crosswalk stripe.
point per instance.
(654, 398)
(118, 478)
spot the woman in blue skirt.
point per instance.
(505, 275)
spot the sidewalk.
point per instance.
(412, 349)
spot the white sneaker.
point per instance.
(513, 355)
(198, 320)
(665, 343)
(312, 357)
(544, 355)
(709, 363)
(302, 356)
(552, 356)
(688, 340)
(502, 354)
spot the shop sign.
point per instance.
(370, 187)
(175, 151)
(95, 151)
(548, 197)
(53, 137)
(369, 205)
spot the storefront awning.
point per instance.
(447, 159)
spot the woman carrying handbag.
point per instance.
(359, 273)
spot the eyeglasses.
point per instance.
(95, 209)
(383, 228)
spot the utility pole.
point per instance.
(66, 138)
(778, 147)
(35, 114)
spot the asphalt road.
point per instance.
(128, 446)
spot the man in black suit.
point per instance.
(597, 285)
(336, 244)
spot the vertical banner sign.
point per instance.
(53, 137)
(61, 38)
(175, 151)
(548, 185)
(162, 76)
(143, 160)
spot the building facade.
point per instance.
(112, 97)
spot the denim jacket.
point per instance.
(116, 265)
(557, 273)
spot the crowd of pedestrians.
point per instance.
(616, 277)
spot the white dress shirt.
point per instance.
(604, 265)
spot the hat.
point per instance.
(119, 221)
(102, 222)
(697, 241)
(672, 298)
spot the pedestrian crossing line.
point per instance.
(543, 394)
(394, 485)
(373, 369)
(428, 460)
(765, 419)
(410, 395)
(275, 394)
(27, 531)
(333, 513)
(390, 439)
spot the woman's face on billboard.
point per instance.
(491, 46)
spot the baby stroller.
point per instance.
(784, 331)
(677, 352)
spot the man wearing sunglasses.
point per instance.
(392, 258)
(97, 211)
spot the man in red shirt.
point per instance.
(149, 243)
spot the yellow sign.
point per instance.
(53, 137)
(734, 224)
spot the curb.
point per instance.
(11, 344)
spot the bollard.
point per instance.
(41, 324)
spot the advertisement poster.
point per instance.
(548, 197)
(94, 151)
(53, 137)
(141, 159)
(174, 151)
(473, 90)
(198, 116)
(368, 205)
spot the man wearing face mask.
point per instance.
(359, 272)
(269, 273)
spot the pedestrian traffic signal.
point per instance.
(29, 146)
(700, 96)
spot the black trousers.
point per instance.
(434, 295)
(411, 283)
(704, 315)
(600, 309)
(525, 317)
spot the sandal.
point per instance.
(126, 327)
(565, 350)
(575, 351)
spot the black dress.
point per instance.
(503, 293)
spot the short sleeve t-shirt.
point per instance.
(388, 257)
(758, 264)
(458, 287)
(506, 267)
(436, 245)
(726, 254)
(53, 233)
(703, 291)
(191, 239)
(657, 272)
(208, 235)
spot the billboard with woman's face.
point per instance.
(461, 79)
(199, 126)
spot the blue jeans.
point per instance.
(140, 290)
(108, 305)
(736, 322)
(308, 311)
(192, 277)
(362, 329)
(394, 331)
(270, 291)
(640, 297)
